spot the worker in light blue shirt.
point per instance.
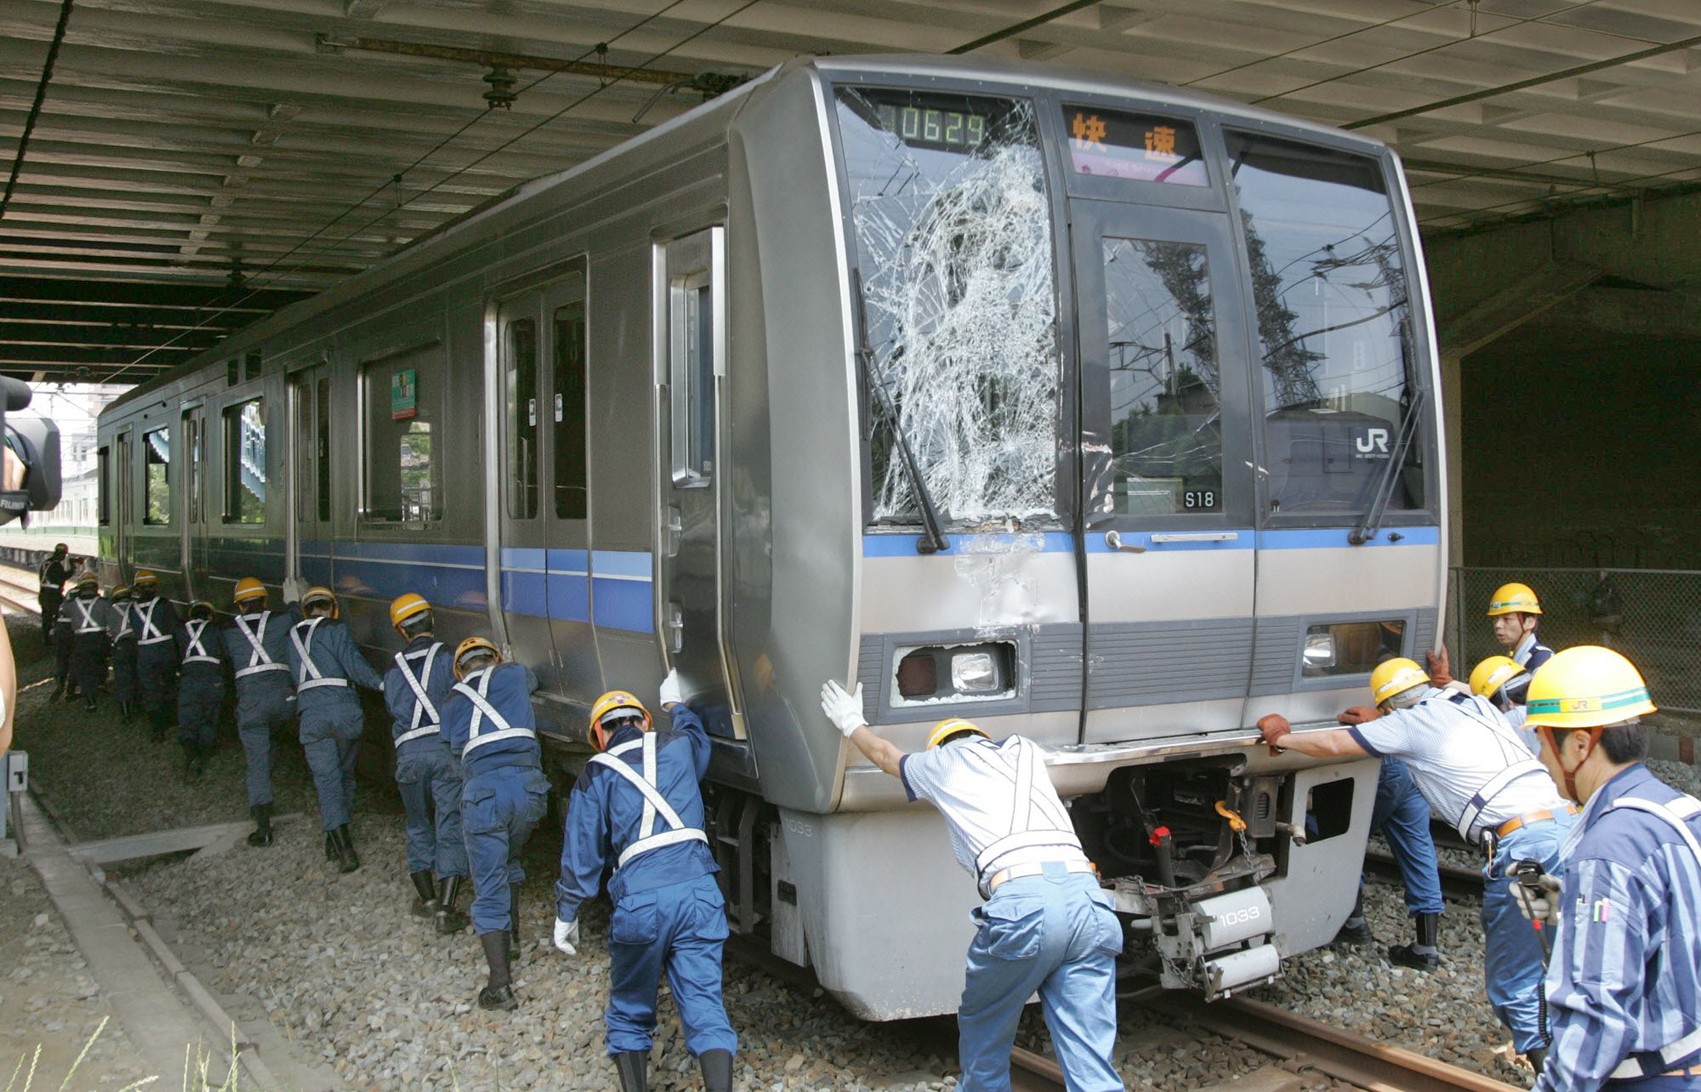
(1477, 775)
(1624, 983)
(638, 806)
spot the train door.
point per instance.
(523, 559)
(1169, 546)
(691, 357)
(309, 546)
(193, 430)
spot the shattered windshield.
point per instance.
(953, 233)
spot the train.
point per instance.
(1096, 410)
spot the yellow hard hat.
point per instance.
(1394, 677)
(119, 591)
(1513, 598)
(247, 588)
(201, 605)
(144, 576)
(465, 650)
(318, 593)
(1493, 673)
(949, 727)
(1586, 687)
(405, 607)
(87, 577)
(616, 701)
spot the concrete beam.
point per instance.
(1511, 307)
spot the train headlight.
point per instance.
(975, 673)
(930, 674)
(1319, 651)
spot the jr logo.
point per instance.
(1371, 443)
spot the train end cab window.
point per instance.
(104, 477)
(245, 462)
(402, 440)
(570, 432)
(156, 455)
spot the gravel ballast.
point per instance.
(359, 986)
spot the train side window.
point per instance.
(156, 454)
(403, 400)
(520, 401)
(194, 445)
(245, 462)
(570, 432)
(103, 458)
(692, 378)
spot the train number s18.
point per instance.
(1199, 499)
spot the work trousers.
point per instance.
(50, 600)
(156, 679)
(88, 663)
(330, 736)
(1512, 957)
(200, 697)
(500, 806)
(678, 930)
(430, 782)
(1055, 935)
(1401, 816)
(124, 670)
(262, 710)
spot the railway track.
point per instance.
(1464, 884)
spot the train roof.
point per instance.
(420, 252)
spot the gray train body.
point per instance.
(1161, 365)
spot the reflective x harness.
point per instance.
(655, 804)
(85, 619)
(258, 661)
(1514, 771)
(1678, 812)
(124, 628)
(477, 690)
(311, 676)
(425, 716)
(149, 634)
(196, 652)
(1018, 834)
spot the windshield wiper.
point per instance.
(933, 538)
(1371, 521)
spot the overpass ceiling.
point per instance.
(181, 147)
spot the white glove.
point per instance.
(293, 586)
(1540, 909)
(670, 691)
(844, 710)
(567, 936)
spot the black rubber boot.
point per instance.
(449, 919)
(162, 721)
(717, 1070)
(88, 704)
(330, 845)
(125, 711)
(262, 832)
(1356, 932)
(58, 691)
(499, 992)
(634, 1069)
(514, 920)
(347, 860)
(190, 772)
(1425, 953)
(197, 760)
(1536, 1057)
(425, 905)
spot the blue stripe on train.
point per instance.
(904, 545)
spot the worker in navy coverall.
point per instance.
(155, 622)
(326, 667)
(82, 638)
(668, 911)
(54, 570)
(427, 772)
(121, 635)
(488, 721)
(257, 643)
(200, 688)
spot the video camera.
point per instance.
(29, 479)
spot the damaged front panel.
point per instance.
(954, 242)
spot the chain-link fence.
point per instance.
(1653, 616)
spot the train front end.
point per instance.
(1143, 444)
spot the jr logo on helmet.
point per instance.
(1371, 443)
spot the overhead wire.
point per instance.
(250, 289)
